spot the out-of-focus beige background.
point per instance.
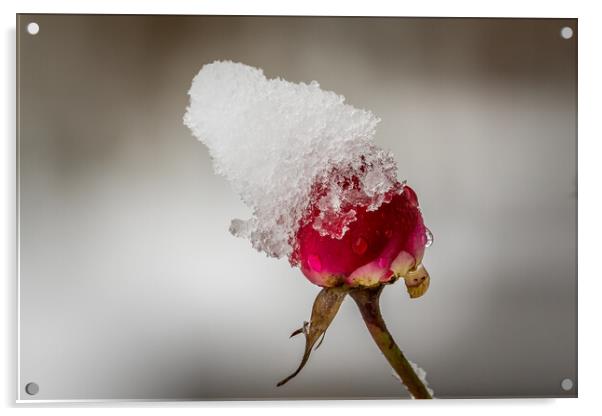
(132, 287)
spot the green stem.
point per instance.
(368, 302)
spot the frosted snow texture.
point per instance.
(285, 146)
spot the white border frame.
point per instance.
(589, 184)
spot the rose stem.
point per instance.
(367, 300)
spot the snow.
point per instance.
(285, 146)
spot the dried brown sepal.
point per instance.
(325, 308)
(417, 282)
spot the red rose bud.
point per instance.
(378, 247)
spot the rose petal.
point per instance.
(369, 274)
(402, 263)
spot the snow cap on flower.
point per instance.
(322, 193)
(277, 142)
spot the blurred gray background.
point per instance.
(132, 287)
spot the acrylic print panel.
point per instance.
(132, 286)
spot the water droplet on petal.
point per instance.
(359, 246)
(314, 262)
(429, 238)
